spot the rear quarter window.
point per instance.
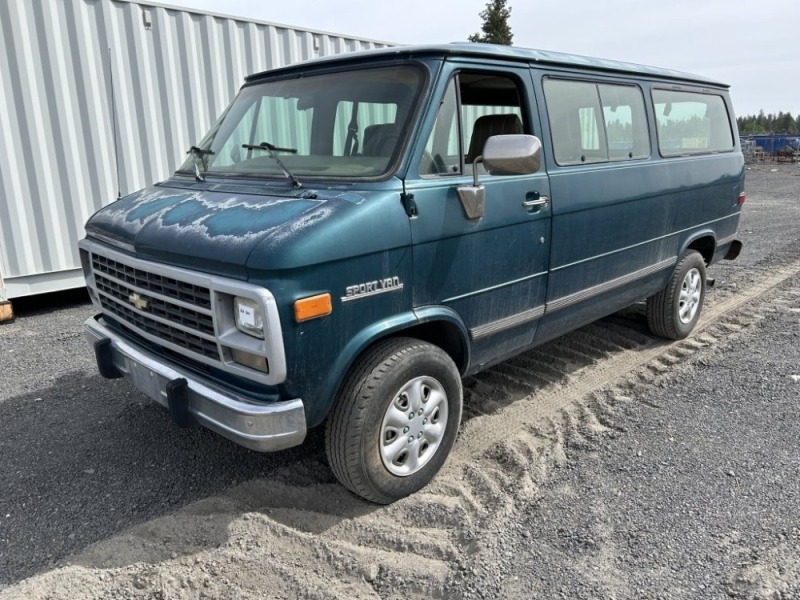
(691, 123)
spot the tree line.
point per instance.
(769, 123)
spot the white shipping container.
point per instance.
(99, 98)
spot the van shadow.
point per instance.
(556, 361)
(88, 458)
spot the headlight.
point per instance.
(249, 318)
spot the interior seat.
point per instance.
(380, 140)
(487, 126)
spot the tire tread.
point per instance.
(351, 406)
(660, 315)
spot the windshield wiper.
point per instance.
(266, 146)
(198, 154)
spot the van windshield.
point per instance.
(344, 125)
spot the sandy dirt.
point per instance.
(298, 534)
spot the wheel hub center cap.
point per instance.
(413, 426)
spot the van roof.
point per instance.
(494, 51)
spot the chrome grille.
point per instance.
(172, 310)
(188, 314)
(166, 286)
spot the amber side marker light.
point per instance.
(312, 307)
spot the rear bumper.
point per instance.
(261, 427)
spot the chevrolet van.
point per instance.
(358, 233)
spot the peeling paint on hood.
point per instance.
(188, 227)
(231, 232)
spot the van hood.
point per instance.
(216, 231)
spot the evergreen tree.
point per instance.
(495, 28)
(785, 122)
(761, 120)
(769, 123)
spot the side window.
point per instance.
(590, 135)
(573, 108)
(625, 122)
(443, 150)
(592, 122)
(475, 107)
(470, 114)
(689, 122)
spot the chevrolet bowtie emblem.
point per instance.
(138, 301)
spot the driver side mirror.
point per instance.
(514, 154)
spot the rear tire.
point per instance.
(395, 419)
(674, 311)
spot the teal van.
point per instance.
(357, 233)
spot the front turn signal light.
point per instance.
(312, 307)
(248, 359)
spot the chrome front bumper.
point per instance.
(261, 427)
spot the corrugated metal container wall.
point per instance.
(67, 148)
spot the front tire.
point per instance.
(674, 311)
(395, 419)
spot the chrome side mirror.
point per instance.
(472, 197)
(514, 154)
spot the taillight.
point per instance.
(742, 198)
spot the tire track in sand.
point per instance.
(301, 535)
(480, 434)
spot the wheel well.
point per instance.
(442, 334)
(705, 246)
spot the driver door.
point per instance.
(491, 270)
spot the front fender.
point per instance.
(430, 314)
(375, 332)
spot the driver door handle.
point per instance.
(540, 201)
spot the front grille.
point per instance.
(175, 311)
(178, 290)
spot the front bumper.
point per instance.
(261, 427)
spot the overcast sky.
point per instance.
(754, 46)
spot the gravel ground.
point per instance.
(81, 457)
(685, 487)
(699, 498)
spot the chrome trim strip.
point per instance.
(658, 239)
(506, 323)
(601, 288)
(494, 287)
(261, 427)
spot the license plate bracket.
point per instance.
(146, 381)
